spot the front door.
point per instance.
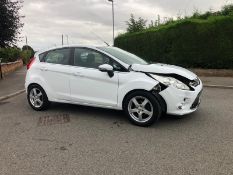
(88, 85)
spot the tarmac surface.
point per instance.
(71, 139)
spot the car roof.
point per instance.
(86, 46)
(65, 46)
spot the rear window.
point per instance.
(59, 56)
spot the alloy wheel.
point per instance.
(36, 97)
(140, 109)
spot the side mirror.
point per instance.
(107, 68)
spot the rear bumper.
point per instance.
(182, 102)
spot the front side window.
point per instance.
(60, 56)
(89, 58)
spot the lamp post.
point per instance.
(67, 39)
(113, 20)
(1, 68)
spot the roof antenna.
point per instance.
(100, 38)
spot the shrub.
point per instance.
(12, 54)
(9, 54)
(26, 55)
(192, 43)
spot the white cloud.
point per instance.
(46, 20)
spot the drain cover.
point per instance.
(53, 119)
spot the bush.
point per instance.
(26, 55)
(9, 54)
(12, 54)
(191, 43)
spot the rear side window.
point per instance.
(60, 56)
(41, 56)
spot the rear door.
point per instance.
(55, 68)
(89, 85)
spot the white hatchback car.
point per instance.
(109, 77)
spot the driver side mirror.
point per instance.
(107, 68)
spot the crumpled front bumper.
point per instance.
(182, 102)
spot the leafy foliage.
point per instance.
(197, 42)
(10, 23)
(28, 48)
(11, 54)
(25, 55)
(135, 25)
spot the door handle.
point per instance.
(44, 69)
(78, 74)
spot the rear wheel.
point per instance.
(37, 98)
(142, 108)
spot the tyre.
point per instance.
(37, 98)
(142, 108)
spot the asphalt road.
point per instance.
(69, 139)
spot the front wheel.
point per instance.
(142, 108)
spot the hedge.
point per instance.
(12, 54)
(191, 43)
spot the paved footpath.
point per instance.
(13, 82)
(224, 81)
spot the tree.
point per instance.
(10, 22)
(227, 10)
(28, 48)
(135, 25)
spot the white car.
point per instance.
(109, 77)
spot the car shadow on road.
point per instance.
(173, 118)
(115, 115)
(87, 111)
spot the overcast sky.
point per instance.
(46, 20)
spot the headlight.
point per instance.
(169, 81)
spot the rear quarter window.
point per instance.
(41, 56)
(58, 56)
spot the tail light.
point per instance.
(32, 60)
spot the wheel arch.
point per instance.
(32, 84)
(158, 97)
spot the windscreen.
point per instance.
(123, 56)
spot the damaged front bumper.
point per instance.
(182, 102)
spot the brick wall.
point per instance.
(11, 67)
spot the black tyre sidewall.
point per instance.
(46, 102)
(157, 111)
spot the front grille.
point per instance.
(196, 102)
